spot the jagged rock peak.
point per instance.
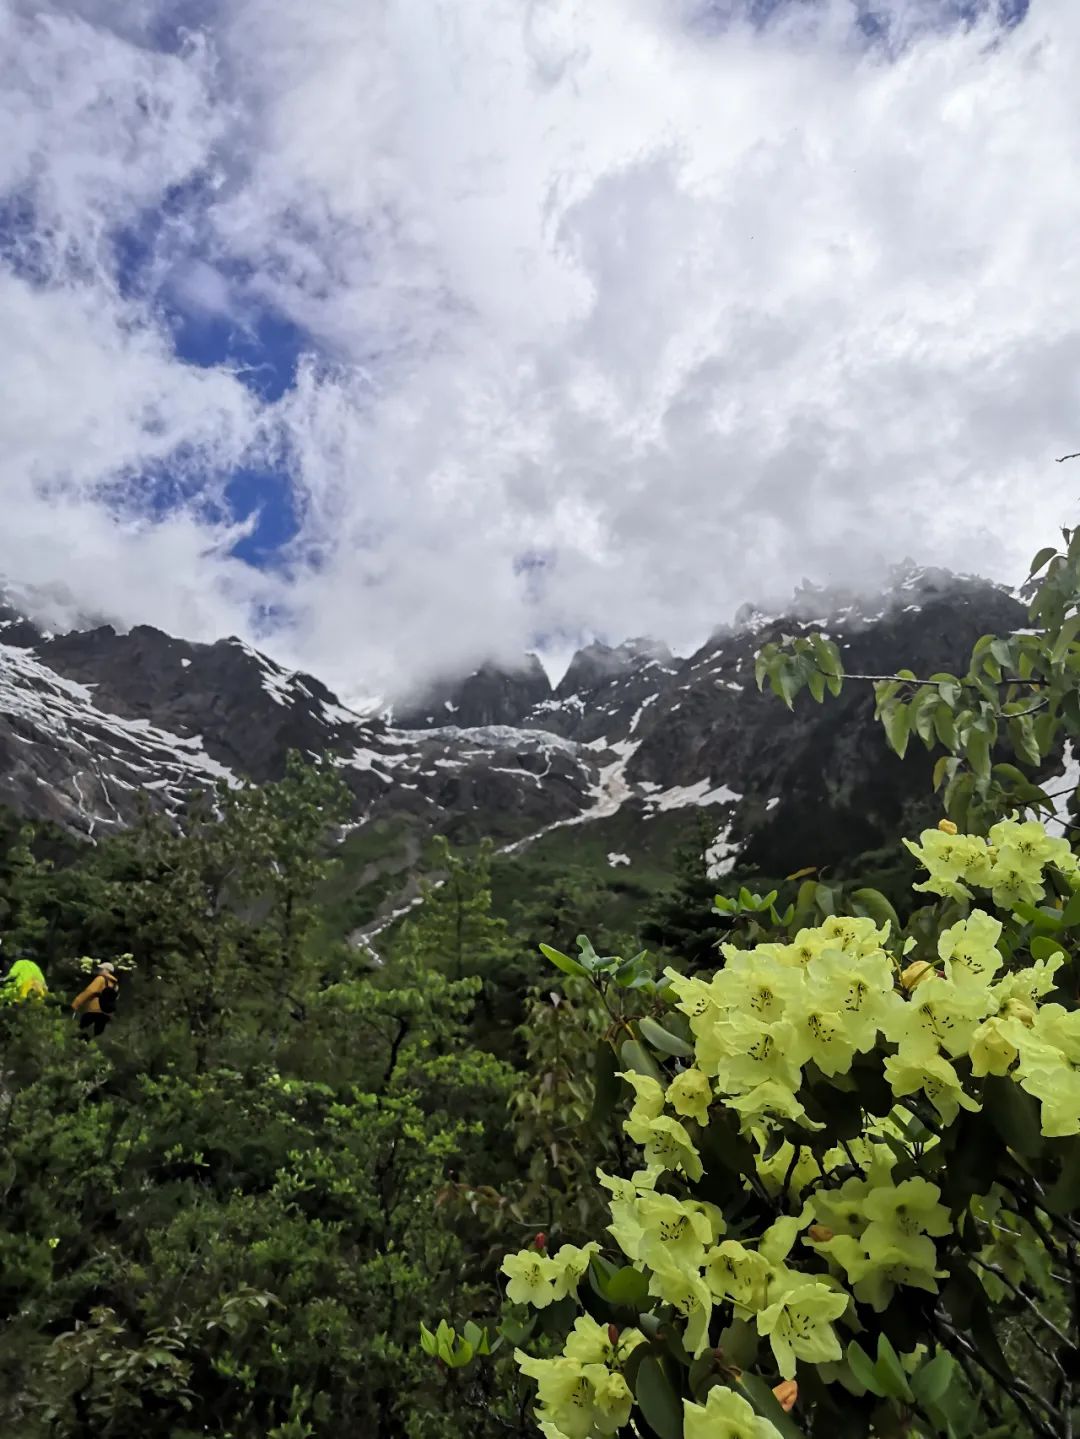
(597, 663)
(494, 694)
(906, 587)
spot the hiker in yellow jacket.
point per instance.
(97, 1002)
(23, 980)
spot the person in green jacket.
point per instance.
(23, 980)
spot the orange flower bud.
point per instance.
(916, 973)
(787, 1391)
(819, 1233)
(946, 826)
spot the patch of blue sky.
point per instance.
(206, 302)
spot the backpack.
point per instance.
(108, 996)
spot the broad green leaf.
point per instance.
(1045, 555)
(864, 1369)
(660, 1039)
(634, 1056)
(940, 770)
(1064, 1196)
(1022, 737)
(428, 1342)
(944, 727)
(1070, 915)
(815, 682)
(658, 1400)
(930, 1382)
(628, 1287)
(891, 1371)
(977, 753)
(824, 899)
(949, 688)
(873, 904)
(605, 1083)
(564, 962)
(897, 722)
(1044, 947)
(739, 1343)
(827, 655)
(1066, 636)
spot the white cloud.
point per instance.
(695, 311)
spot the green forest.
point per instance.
(800, 1158)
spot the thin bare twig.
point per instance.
(1074, 456)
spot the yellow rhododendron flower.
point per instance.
(799, 1325)
(532, 1277)
(690, 1094)
(725, 1415)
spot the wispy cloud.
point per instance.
(684, 306)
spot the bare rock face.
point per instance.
(94, 723)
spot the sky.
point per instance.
(394, 336)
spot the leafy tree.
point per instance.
(684, 921)
(24, 880)
(224, 1216)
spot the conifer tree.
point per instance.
(683, 920)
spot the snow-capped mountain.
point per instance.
(94, 723)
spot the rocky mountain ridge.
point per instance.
(95, 723)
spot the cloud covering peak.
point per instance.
(396, 340)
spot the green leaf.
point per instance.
(1043, 946)
(657, 1399)
(1045, 555)
(1066, 635)
(940, 770)
(564, 962)
(815, 682)
(1070, 915)
(634, 1056)
(891, 1371)
(922, 714)
(824, 899)
(766, 1404)
(864, 1369)
(1014, 1114)
(660, 1039)
(427, 1341)
(944, 727)
(873, 904)
(897, 722)
(739, 1343)
(827, 655)
(977, 752)
(605, 1083)
(629, 1288)
(930, 1382)
(1022, 738)
(1064, 1196)
(723, 1147)
(462, 1355)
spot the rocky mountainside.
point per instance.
(93, 723)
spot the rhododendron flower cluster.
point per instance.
(774, 1021)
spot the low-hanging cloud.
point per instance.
(616, 314)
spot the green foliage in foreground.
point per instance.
(224, 1217)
